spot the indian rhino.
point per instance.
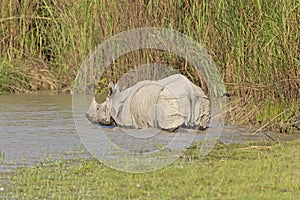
(167, 104)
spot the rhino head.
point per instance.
(101, 113)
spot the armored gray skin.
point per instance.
(167, 104)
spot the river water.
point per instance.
(37, 128)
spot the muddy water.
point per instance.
(36, 128)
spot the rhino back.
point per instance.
(167, 103)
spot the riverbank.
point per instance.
(263, 170)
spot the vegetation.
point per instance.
(1, 157)
(254, 171)
(254, 43)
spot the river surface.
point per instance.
(39, 128)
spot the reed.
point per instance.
(2, 156)
(254, 43)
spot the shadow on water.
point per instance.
(35, 128)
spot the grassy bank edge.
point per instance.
(260, 170)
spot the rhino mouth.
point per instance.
(101, 122)
(91, 119)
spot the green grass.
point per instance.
(254, 171)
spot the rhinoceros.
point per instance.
(167, 104)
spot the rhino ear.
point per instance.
(117, 88)
(111, 88)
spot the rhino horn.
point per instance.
(91, 113)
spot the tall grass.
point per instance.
(254, 43)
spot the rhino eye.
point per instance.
(97, 108)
